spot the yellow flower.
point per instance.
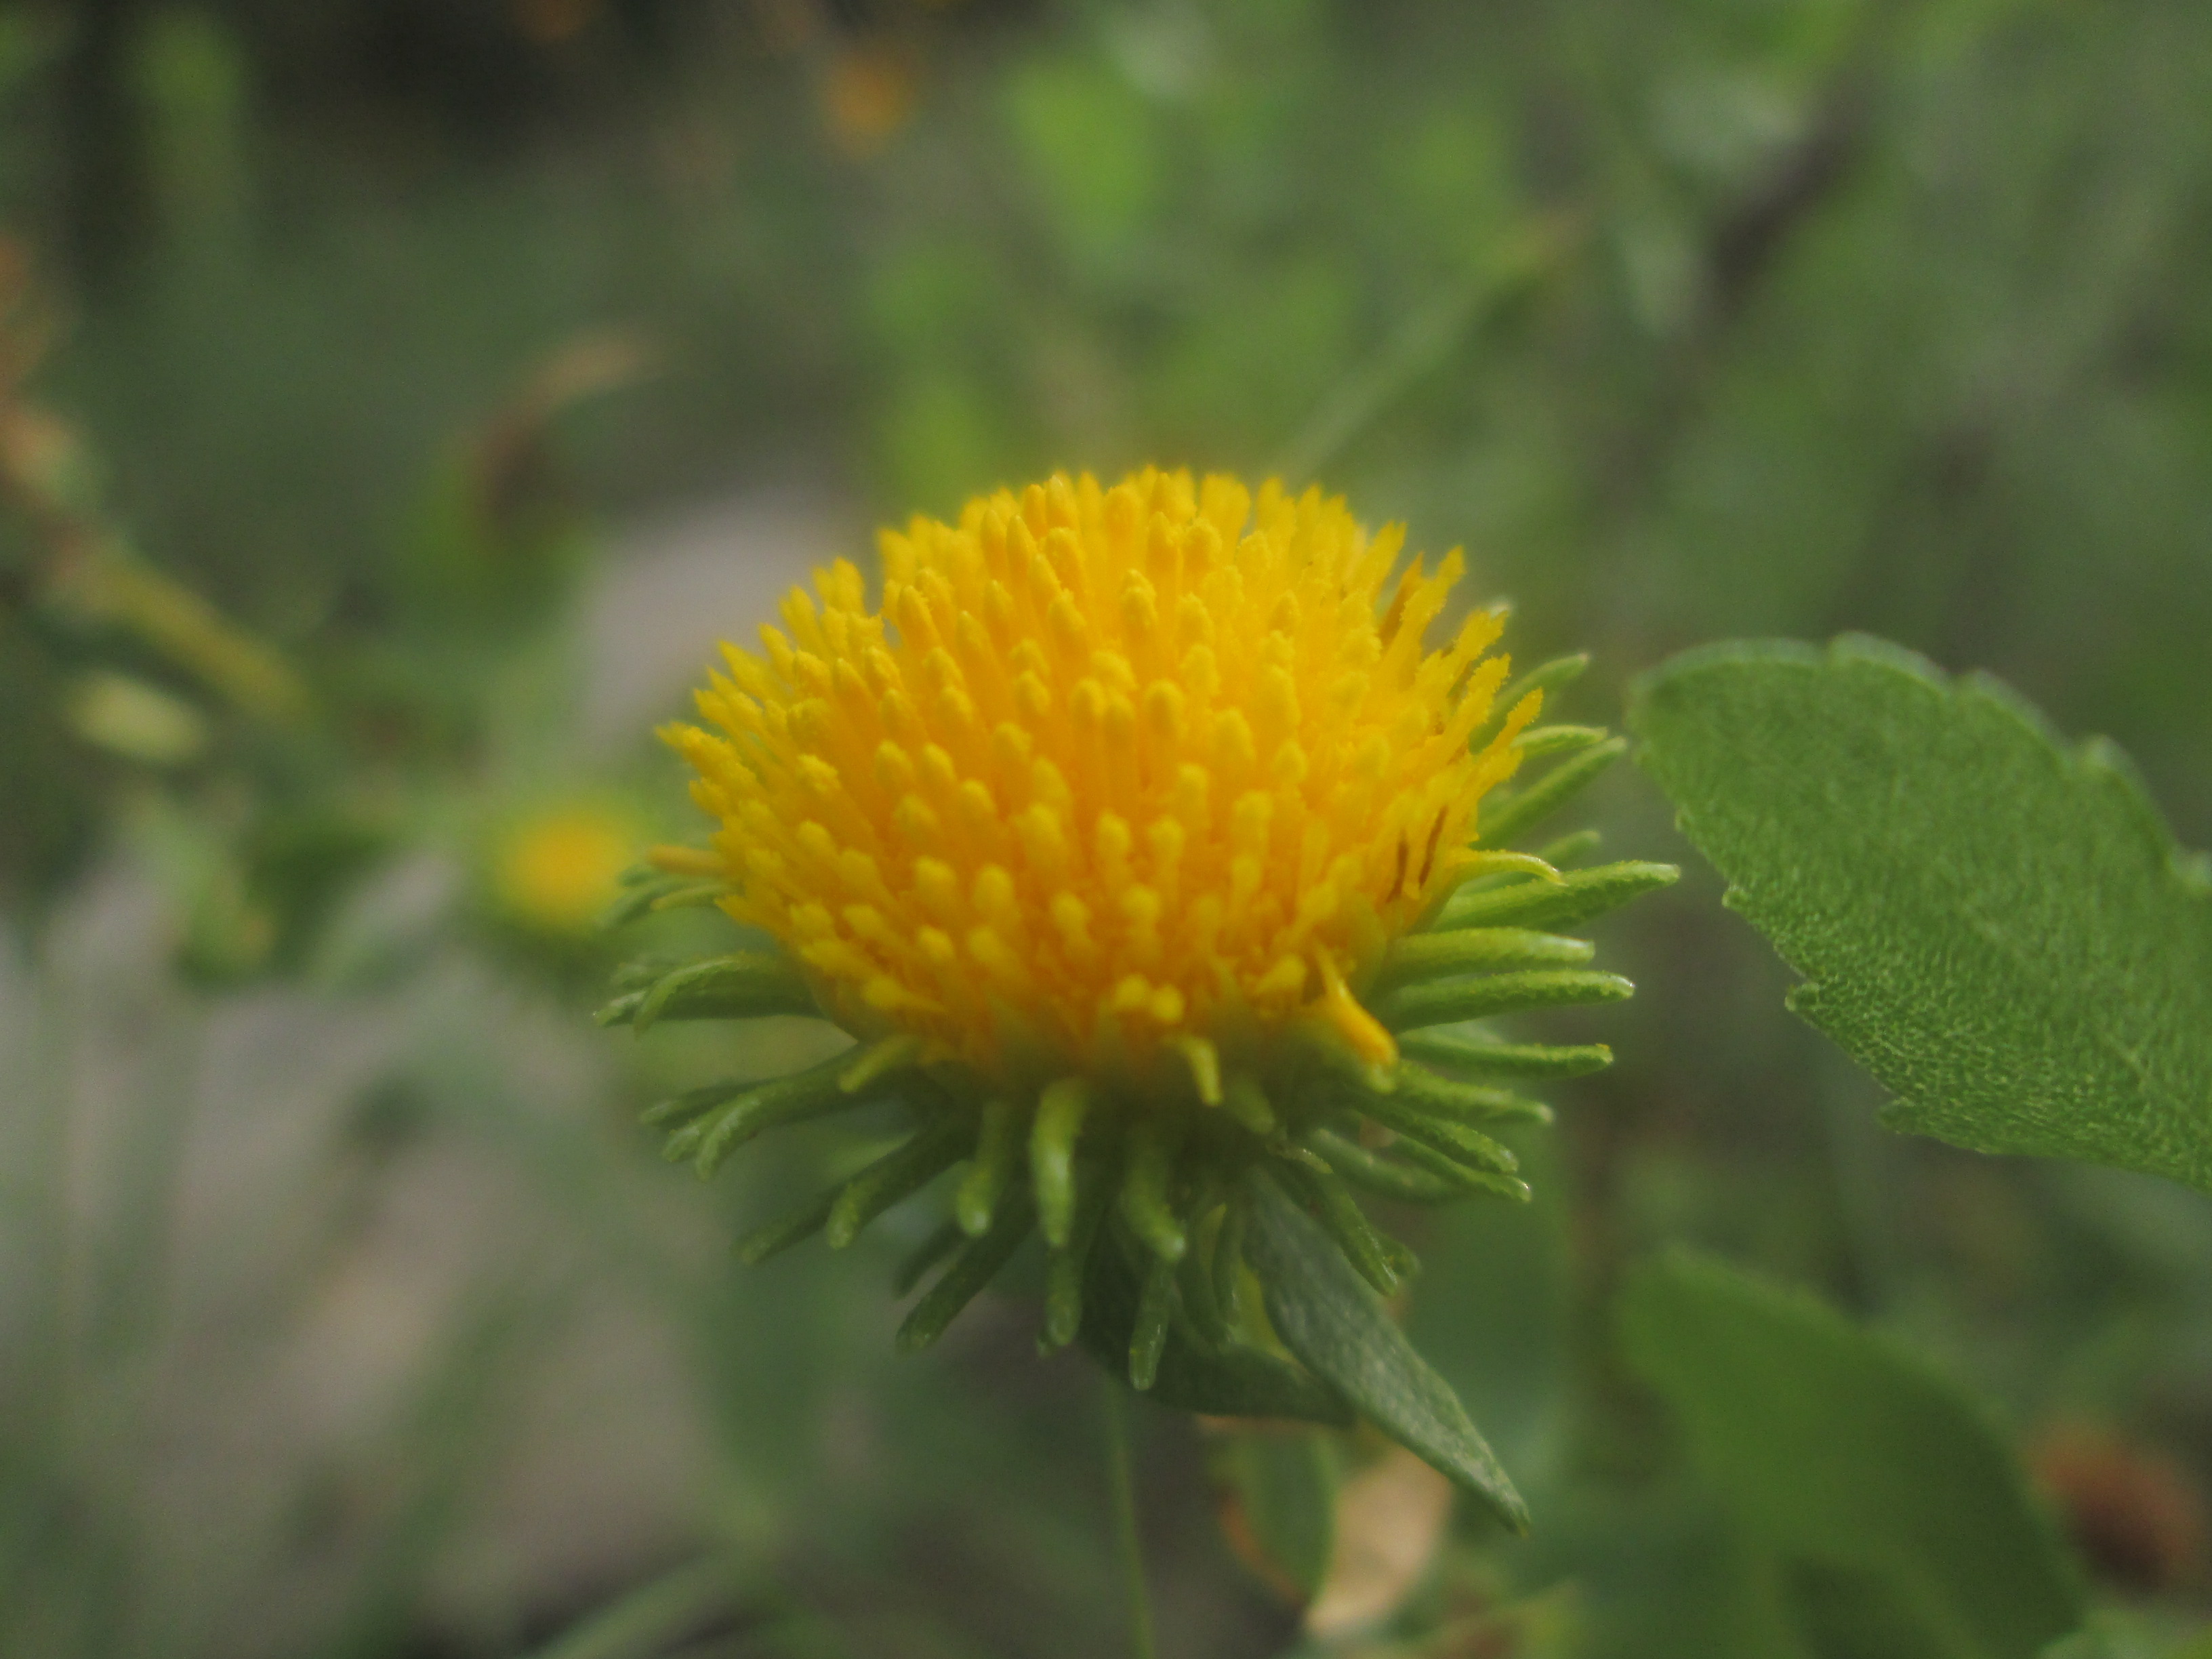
(558, 871)
(1135, 836)
(1117, 783)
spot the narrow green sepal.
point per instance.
(743, 975)
(642, 973)
(642, 888)
(1243, 1099)
(770, 1103)
(690, 895)
(1448, 1002)
(1541, 742)
(1450, 1054)
(1327, 1198)
(1201, 1307)
(1456, 1140)
(1156, 1310)
(1582, 895)
(1427, 956)
(678, 1110)
(778, 1237)
(1059, 1114)
(996, 1143)
(1532, 804)
(1466, 1178)
(1070, 1262)
(1444, 1097)
(867, 1062)
(1547, 678)
(977, 1266)
(1570, 849)
(1387, 1177)
(1227, 1265)
(1200, 1302)
(907, 1168)
(940, 1243)
(745, 985)
(1148, 1184)
(1418, 1089)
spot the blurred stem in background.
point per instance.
(1128, 1534)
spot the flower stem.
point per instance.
(1131, 1544)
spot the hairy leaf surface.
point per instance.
(1997, 926)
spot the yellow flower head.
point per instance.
(1117, 781)
(1134, 837)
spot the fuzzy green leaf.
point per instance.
(1998, 928)
(1844, 1454)
(1328, 1316)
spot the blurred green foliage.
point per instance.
(1692, 318)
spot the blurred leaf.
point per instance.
(941, 434)
(1088, 139)
(2000, 929)
(1328, 1316)
(1673, 1579)
(1857, 1461)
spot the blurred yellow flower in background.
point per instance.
(557, 870)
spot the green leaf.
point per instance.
(1235, 1382)
(1328, 1316)
(1999, 929)
(1849, 1455)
